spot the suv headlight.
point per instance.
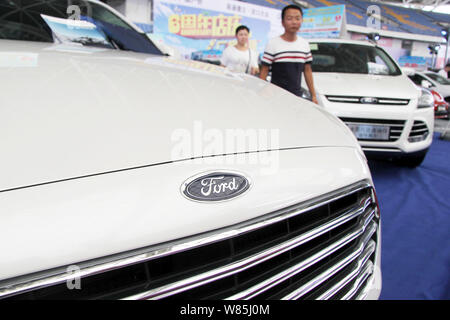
(426, 100)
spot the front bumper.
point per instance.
(196, 254)
(413, 121)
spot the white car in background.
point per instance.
(432, 81)
(106, 194)
(440, 105)
(362, 85)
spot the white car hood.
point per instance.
(67, 112)
(364, 85)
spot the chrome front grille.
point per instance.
(368, 100)
(352, 270)
(395, 126)
(320, 249)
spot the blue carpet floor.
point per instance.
(415, 213)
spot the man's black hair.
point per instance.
(242, 28)
(291, 6)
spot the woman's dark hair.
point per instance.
(291, 6)
(242, 28)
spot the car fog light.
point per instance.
(418, 138)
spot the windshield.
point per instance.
(438, 78)
(70, 21)
(352, 58)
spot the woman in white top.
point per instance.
(240, 58)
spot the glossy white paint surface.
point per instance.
(365, 85)
(68, 222)
(83, 111)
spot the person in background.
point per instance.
(289, 55)
(445, 72)
(240, 58)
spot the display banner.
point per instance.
(324, 22)
(76, 31)
(202, 29)
(413, 62)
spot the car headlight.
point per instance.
(426, 100)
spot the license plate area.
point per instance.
(369, 131)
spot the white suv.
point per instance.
(362, 85)
(136, 176)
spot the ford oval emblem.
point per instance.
(215, 186)
(369, 100)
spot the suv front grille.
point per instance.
(319, 249)
(369, 100)
(395, 126)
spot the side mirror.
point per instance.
(426, 84)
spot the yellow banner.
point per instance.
(204, 27)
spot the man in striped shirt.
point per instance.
(289, 55)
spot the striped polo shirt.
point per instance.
(287, 61)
